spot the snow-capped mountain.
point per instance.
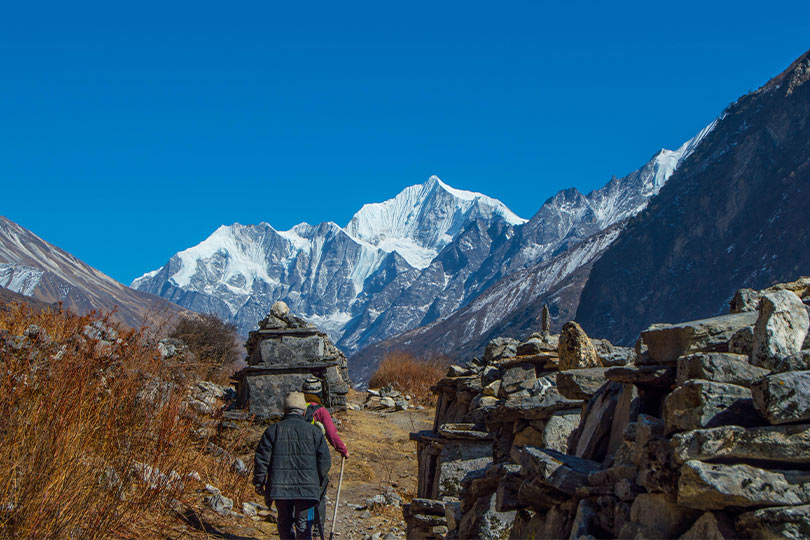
(325, 272)
(34, 268)
(396, 265)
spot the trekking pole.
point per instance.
(337, 499)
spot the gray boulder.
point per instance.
(701, 404)
(711, 526)
(783, 397)
(220, 504)
(786, 522)
(708, 486)
(719, 367)
(484, 522)
(501, 347)
(519, 377)
(780, 444)
(575, 348)
(595, 426)
(666, 342)
(659, 513)
(780, 329)
(558, 429)
(580, 383)
(560, 471)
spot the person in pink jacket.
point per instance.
(319, 415)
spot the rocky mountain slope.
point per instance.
(733, 214)
(406, 262)
(34, 268)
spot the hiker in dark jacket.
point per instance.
(291, 465)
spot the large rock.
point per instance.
(575, 348)
(780, 329)
(652, 377)
(595, 426)
(558, 429)
(784, 397)
(457, 460)
(484, 522)
(711, 526)
(519, 377)
(586, 521)
(701, 404)
(534, 407)
(560, 471)
(501, 347)
(786, 522)
(580, 383)
(666, 342)
(781, 444)
(657, 512)
(708, 486)
(719, 367)
(626, 411)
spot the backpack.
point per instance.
(310, 417)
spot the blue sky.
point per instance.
(131, 131)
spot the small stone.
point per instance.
(500, 347)
(580, 383)
(387, 402)
(520, 377)
(280, 309)
(220, 504)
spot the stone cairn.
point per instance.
(701, 431)
(282, 353)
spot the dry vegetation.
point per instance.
(95, 443)
(410, 375)
(213, 344)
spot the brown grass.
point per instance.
(77, 426)
(410, 375)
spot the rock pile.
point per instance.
(282, 353)
(700, 431)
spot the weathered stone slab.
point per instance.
(427, 506)
(558, 429)
(594, 429)
(463, 431)
(627, 410)
(528, 436)
(719, 367)
(534, 407)
(780, 444)
(784, 397)
(519, 377)
(799, 361)
(501, 347)
(780, 329)
(456, 460)
(575, 348)
(708, 486)
(291, 350)
(484, 521)
(535, 346)
(586, 522)
(786, 522)
(711, 526)
(701, 404)
(666, 342)
(264, 393)
(580, 383)
(660, 513)
(643, 376)
(561, 471)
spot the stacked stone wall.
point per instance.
(700, 431)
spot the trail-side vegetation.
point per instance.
(410, 374)
(213, 343)
(95, 441)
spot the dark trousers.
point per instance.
(320, 516)
(295, 518)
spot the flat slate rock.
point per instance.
(463, 431)
(784, 397)
(778, 444)
(666, 342)
(719, 367)
(580, 383)
(707, 486)
(643, 376)
(560, 471)
(788, 522)
(701, 404)
(535, 407)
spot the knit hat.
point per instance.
(312, 385)
(295, 400)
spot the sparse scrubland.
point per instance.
(98, 440)
(410, 375)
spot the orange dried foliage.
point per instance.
(410, 375)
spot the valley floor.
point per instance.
(382, 459)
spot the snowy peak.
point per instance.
(424, 218)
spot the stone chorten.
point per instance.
(281, 354)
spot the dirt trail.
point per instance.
(382, 457)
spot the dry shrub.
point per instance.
(81, 418)
(214, 343)
(409, 374)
